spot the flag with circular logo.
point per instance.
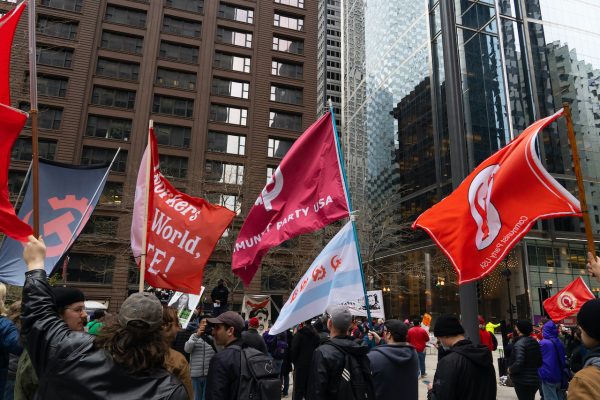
(568, 301)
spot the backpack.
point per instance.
(258, 378)
(356, 382)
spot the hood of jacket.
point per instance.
(592, 357)
(550, 330)
(396, 353)
(350, 346)
(479, 354)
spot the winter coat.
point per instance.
(9, 343)
(485, 338)
(254, 339)
(491, 327)
(223, 381)
(524, 361)
(201, 352)
(395, 368)
(68, 364)
(418, 337)
(327, 365)
(286, 367)
(27, 382)
(182, 338)
(465, 372)
(304, 343)
(176, 364)
(585, 385)
(553, 355)
(220, 293)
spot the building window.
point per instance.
(51, 86)
(172, 135)
(118, 69)
(122, 42)
(102, 225)
(284, 94)
(293, 3)
(181, 27)
(112, 97)
(173, 106)
(232, 202)
(220, 172)
(186, 5)
(101, 155)
(173, 166)
(15, 181)
(287, 70)
(57, 27)
(22, 151)
(229, 115)
(231, 62)
(179, 52)
(283, 120)
(90, 268)
(288, 46)
(108, 127)
(112, 195)
(177, 79)
(226, 87)
(68, 5)
(54, 56)
(125, 16)
(226, 143)
(48, 118)
(235, 13)
(278, 147)
(236, 38)
(286, 21)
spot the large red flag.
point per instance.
(304, 194)
(568, 301)
(8, 24)
(11, 123)
(182, 230)
(496, 205)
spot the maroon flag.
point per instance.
(8, 24)
(304, 194)
(568, 301)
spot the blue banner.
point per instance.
(68, 196)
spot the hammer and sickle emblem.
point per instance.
(335, 262)
(267, 196)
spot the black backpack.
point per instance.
(258, 378)
(356, 382)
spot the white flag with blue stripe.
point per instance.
(333, 278)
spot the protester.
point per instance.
(304, 342)
(593, 266)
(553, 363)
(175, 362)
(14, 315)
(418, 337)
(325, 375)
(485, 337)
(93, 327)
(286, 367)
(183, 336)
(585, 385)
(9, 340)
(201, 348)
(219, 297)
(524, 362)
(577, 352)
(124, 362)
(371, 339)
(395, 365)
(252, 338)
(223, 380)
(277, 347)
(466, 371)
(491, 327)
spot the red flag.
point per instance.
(496, 205)
(182, 230)
(304, 194)
(568, 301)
(11, 123)
(8, 24)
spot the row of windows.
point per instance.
(186, 5)
(57, 27)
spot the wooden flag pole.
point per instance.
(577, 166)
(33, 114)
(149, 175)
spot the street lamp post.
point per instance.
(506, 273)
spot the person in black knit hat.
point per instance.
(586, 383)
(466, 371)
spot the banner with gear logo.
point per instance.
(68, 196)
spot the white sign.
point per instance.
(258, 306)
(185, 303)
(357, 307)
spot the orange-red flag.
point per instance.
(568, 301)
(8, 24)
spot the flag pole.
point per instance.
(350, 210)
(585, 214)
(149, 175)
(33, 114)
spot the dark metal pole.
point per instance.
(458, 146)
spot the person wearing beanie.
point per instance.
(585, 385)
(554, 361)
(466, 371)
(524, 361)
(252, 338)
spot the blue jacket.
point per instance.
(9, 343)
(553, 354)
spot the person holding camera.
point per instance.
(201, 348)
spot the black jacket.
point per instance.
(327, 365)
(466, 372)
(220, 293)
(253, 339)
(524, 361)
(395, 368)
(68, 365)
(223, 379)
(304, 343)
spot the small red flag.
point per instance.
(568, 301)
(8, 25)
(496, 205)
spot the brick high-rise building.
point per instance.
(229, 85)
